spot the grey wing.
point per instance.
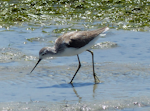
(77, 39)
(64, 41)
(81, 38)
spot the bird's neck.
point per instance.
(52, 51)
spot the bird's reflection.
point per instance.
(74, 86)
(83, 84)
(94, 88)
(74, 90)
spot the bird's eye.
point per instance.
(43, 54)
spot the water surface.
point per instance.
(121, 63)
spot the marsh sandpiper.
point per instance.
(73, 43)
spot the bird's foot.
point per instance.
(96, 79)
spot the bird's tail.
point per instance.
(102, 30)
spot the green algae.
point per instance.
(119, 14)
(64, 30)
(35, 39)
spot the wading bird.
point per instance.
(73, 43)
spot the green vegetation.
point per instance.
(120, 14)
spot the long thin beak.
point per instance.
(36, 65)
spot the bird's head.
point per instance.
(44, 53)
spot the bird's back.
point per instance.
(77, 39)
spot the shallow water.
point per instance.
(121, 63)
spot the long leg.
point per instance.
(77, 69)
(94, 74)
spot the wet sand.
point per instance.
(123, 86)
